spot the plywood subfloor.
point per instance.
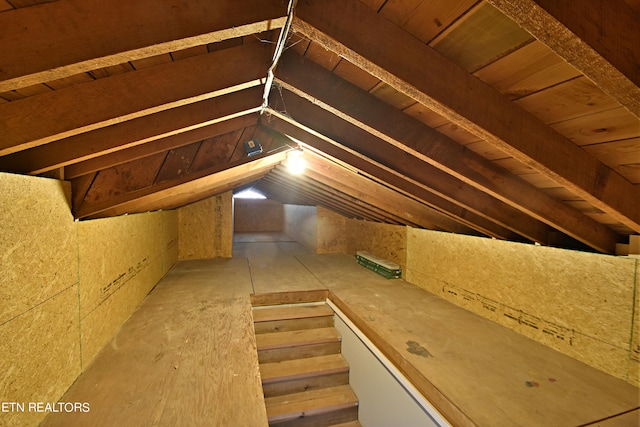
(187, 355)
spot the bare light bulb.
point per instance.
(296, 164)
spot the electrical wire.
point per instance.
(282, 40)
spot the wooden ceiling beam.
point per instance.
(358, 34)
(207, 188)
(359, 107)
(165, 144)
(134, 132)
(374, 149)
(598, 37)
(210, 180)
(329, 198)
(390, 177)
(127, 96)
(318, 183)
(282, 194)
(59, 39)
(273, 190)
(363, 188)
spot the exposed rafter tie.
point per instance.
(282, 41)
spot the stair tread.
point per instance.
(302, 368)
(296, 338)
(308, 403)
(291, 312)
(348, 424)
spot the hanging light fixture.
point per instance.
(296, 164)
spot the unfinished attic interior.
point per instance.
(488, 152)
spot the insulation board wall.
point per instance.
(333, 233)
(581, 304)
(383, 240)
(301, 224)
(122, 259)
(257, 215)
(54, 313)
(206, 228)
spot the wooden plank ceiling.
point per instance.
(512, 119)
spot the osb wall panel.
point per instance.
(384, 240)
(300, 223)
(113, 252)
(251, 215)
(40, 356)
(66, 286)
(169, 239)
(39, 331)
(578, 303)
(121, 260)
(104, 321)
(206, 228)
(333, 232)
(38, 242)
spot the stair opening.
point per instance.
(305, 379)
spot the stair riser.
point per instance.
(305, 384)
(293, 324)
(301, 352)
(322, 420)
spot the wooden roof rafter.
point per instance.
(411, 211)
(475, 126)
(389, 53)
(217, 179)
(109, 101)
(402, 131)
(76, 40)
(597, 37)
(132, 133)
(465, 207)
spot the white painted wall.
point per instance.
(384, 401)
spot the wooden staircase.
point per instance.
(304, 377)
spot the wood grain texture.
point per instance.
(578, 36)
(306, 404)
(38, 240)
(39, 355)
(179, 192)
(373, 149)
(547, 294)
(297, 338)
(205, 228)
(208, 133)
(302, 368)
(333, 235)
(164, 366)
(482, 114)
(88, 280)
(258, 215)
(467, 45)
(288, 297)
(458, 371)
(532, 68)
(289, 313)
(37, 50)
(409, 211)
(130, 95)
(133, 132)
(383, 240)
(419, 188)
(403, 132)
(470, 356)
